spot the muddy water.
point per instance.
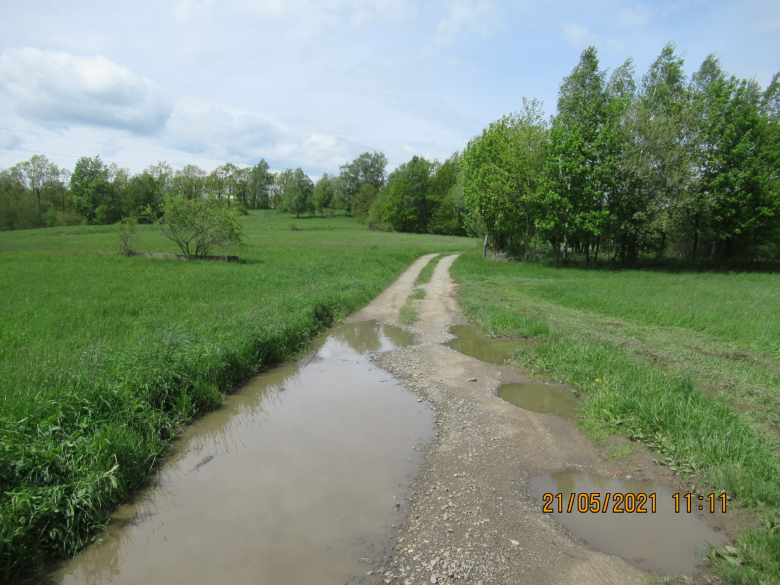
(475, 342)
(294, 480)
(664, 541)
(541, 398)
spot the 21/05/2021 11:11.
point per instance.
(639, 503)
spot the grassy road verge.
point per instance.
(687, 364)
(102, 358)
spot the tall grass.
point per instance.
(696, 433)
(102, 359)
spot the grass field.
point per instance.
(688, 364)
(103, 358)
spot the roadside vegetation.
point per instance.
(687, 364)
(103, 357)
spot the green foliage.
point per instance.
(365, 168)
(100, 369)
(197, 226)
(502, 174)
(361, 203)
(406, 205)
(324, 193)
(128, 232)
(296, 192)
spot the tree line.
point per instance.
(628, 167)
(662, 165)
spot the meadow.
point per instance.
(686, 363)
(103, 358)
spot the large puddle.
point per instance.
(297, 477)
(666, 541)
(542, 398)
(475, 342)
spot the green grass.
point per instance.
(102, 358)
(686, 364)
(427, 272)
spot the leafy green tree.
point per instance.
(324, 193)
(362, 201)
(90, 188)
(198, 226)
(576, 195)
(260, 184)
(365, 168)
(36, 174)
(189, 182)
(406, 206)
(296, 195)
(503, 175)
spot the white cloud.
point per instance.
(576, 34)
(245, 136)
(58, 90)
(467, 17)
(636, 16)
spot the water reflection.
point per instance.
(299, 473)
(663, 540)
(542, 398)
(475, 342)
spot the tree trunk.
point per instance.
(596, 250)
(484, 247)
(566, 242)
(586, 245)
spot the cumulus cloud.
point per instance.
(245, 136)
(467, 17)
(60, 90)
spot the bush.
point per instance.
(198, 226)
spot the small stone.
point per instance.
(514, 542)
(471, 380)
(435, 578)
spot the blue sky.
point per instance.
(315, 83)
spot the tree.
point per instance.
(197, 226)
(90, 188)
(362, 201)
(189, 182)
(406, 206)
(576, 194)
(36, 174)
(365, 168)
(296, 194)
(324, 193)
(503, 171)
(260, 184)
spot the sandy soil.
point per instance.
(472, 517)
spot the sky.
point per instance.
(312, 84)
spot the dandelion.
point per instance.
(598, 379)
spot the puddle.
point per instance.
(294, 480)
(662, 541)
(474, 342)
(541, 398)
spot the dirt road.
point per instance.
(472, 517)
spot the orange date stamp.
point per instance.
(629, 503)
